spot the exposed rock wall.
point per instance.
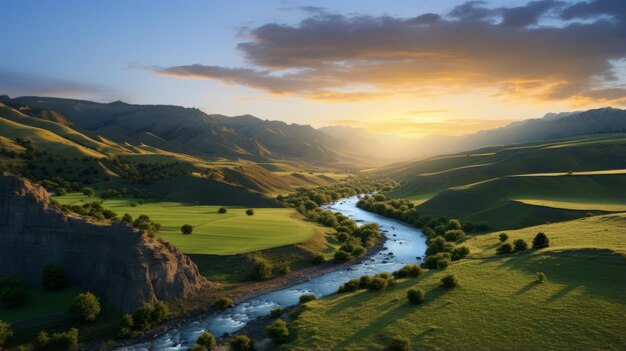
(121, 265)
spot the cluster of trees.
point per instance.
(93, 210)
(125, 192)
(60, 340)
(539, 242)
(143, 222)
(373, 283)
(144, 318)
(146, 172)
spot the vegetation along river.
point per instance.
(404, 244)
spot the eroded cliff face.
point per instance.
(121, 265)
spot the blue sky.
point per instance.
(109, 50)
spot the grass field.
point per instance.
(40, 302)
(214, 233)
(499, 305)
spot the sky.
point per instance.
(406, 68)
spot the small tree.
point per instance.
(54, 277)
(504, 248)
(342, 256)
(278, 331)
(241, 343)
(460, 252)
(416, 296)
(400, 343)
(249, 212)
(541, 277)
(262, 270)
(307, 297)
(540, 241)
(86, 307)
(277, 312)
(449, 281)
(520, 245)
(207, 340)
(186, 229)
(503, 237)
(88, 192)
(160, 311)
(454, 235)
(127, 218)
(5, 332)
(223, 302)
(222, 210)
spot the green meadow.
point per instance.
(213, 233)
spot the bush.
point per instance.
(86, 307)
(143, 318)
(12, 292)
(262, 270)
(460, 252)
(540, 241)
(249, 212)
(453, 224)
(364, 281)
(88, 191)
(207, 340)
(541, 277)
(399, 343)
(377, 283)
(66, 340)
(278, 331)
(319, 259)
(503, 237)
(43, 339)
(416, 296)
(186, 229)
(349, 286)
(307, 297)
(441, 260)
(160, 311)
(342, 256)
(127, 218)
(54, 277)
(409, 270)
(241, 343)
(519, 245)
(222, 210)
(277, 312)
(454, 235)
(223, 302)
(284, 269)
(449, 281)
(127, 327)
(5, 332)
(504, 248)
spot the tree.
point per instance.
(66, 340)
(262, 270)
(454, 235)
(186, 229)
(207, 340)
(342, 256)
(449, 281)
(520, 245)
(127, 218)
(307, 297)
(223, 302)
(54, 277)
(276, 312)
(241, 343)
(5, 332)
(86, 307)
(541, 277)
(278, 331)
(416, 296)
(540, 241)
(460, 252)
(160, 311)
(409, 270)
(400, 343)
(453, 224)
(504, 248)
(222, 210)
(503, 237)
(249, 212)
(88, 192)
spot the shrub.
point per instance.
(88, 191)
(454, 235)
(519, 245)
(223, 302)
(66, 340)
(222, 210)
(541, 277)
(276, 312)
(540, 241)
(186, 229)
(160, 311)
(440, 260)
(342, 256)
(284, 269)
(127, 218)
(349, 286)
(142, 317)
(319, 259)
(416, 296)
(449, 281)
(460, 252)
(504, 248)
(453, 224)
(207, 340)
(43, 339)
(278, 331)
(377, 283)
(5, 332)
(262, 270)
(307, 297)
(127, 327)
(358, 251)
(249, 212)
(241, 343)
(364, 281)
(54, 277)
(12, 292)
(86, 307)
(399, 343)
(409, 270)
(503, 237)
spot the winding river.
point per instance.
(403, 244)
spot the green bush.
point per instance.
(88, 191)
(319, 259)
(364, 281)
(43, 339)
(342, 256)
(377, 283)
(127, 218)
(249, 212)
(284, 269)
(186, 229)
(540, 241)
(207, 340)
(519, 245)
(86, 307)
(541, 277)
(12, 292)
(222, 210)
(262, 270)
(349, 286)
(5, 332)
(160, 311)
(449, 281)
(54, 277)
(223, 302)
(454, 235)
(277, 312)
(278, 331)
(416, 296)
(503, 237)
(307, 297)
(409, 270)
(504, 248)
(460, 252)
(241, 343)
(441, 260)
(66, 340)
(399, 343)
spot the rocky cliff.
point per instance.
(121, 265)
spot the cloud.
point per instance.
(19, 84)
(349, 58)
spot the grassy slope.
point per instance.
(498, 306)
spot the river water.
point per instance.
(404, 244)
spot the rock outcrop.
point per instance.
(123, 266)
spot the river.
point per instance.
(404, 243)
